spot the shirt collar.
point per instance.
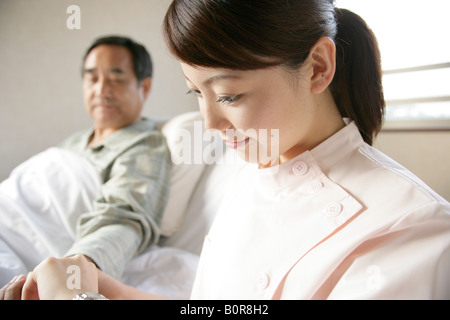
(123, 135)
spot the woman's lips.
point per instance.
(236, 144)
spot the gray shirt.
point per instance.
(134, 165)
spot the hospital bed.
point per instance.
(41, 200)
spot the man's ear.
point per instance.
(323, 62)
(146, 85)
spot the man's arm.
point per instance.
(126, 217)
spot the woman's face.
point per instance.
(267, 115)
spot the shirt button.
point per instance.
(333, 209)
(314, 186)
(262, 280)
(299, 168)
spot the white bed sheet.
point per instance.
(39, 206)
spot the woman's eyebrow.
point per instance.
(220, 77)
(215, 78)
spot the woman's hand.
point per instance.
(61, 279)
(64, 278)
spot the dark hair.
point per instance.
(142, 62)
(248, 35)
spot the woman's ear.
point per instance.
(323, 62)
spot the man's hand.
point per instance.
(13, 289)
(61, 279)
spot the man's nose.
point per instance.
(102, 87)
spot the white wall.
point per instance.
(40, 63)
(427, 154)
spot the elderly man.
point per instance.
(132, 157)
(125, 161)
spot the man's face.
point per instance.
(111, 92)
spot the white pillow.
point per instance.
(182, 135)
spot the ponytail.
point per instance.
(357, 86)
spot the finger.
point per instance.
(5, 287)
(30, 288)
(13, 290)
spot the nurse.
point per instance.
(328, 216)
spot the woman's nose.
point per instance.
(213, 117)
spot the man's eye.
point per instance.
(117, 80)
(192, 91)
(90, 79)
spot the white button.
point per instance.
(314, 186)
(333, 209)
(262, 280)
(299, 168)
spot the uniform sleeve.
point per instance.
(126, 217)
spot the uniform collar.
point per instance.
(338, 146)
(314, 162)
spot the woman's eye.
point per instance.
(228, 99)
